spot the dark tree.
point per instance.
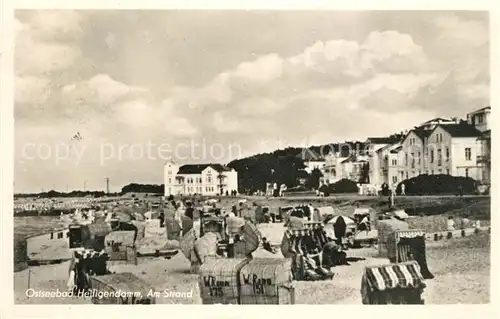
(313, 179)
(365, 174)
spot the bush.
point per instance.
(438, 185)
(296, 189)
(341, 187)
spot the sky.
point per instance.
(141, 87)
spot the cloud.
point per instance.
(49, 34)
(310, 78)
(455, 30)
(101, 88)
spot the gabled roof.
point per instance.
(198, 168)
(461, 130)
(421, 133)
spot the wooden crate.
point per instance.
(219, 280)
(267, 281)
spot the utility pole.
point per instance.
(107, 185)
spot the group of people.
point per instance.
(318, 261)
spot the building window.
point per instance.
(480, 119)
(394, 179)
(419, 172)
(407, 175)
(439, 171)
(466, 172)
(439, 157)
(418, 158)
(447, 172)
(432, 172)
(432, 156)
(412, 160)
(406, 159)
(394, 162)
(169, 172)
(447, 152)
(467, 154)
(170, 180)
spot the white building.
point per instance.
(352, 167)
(332, 169)
(312, 160)
(377, 151)
(337, 168)
(391, 159)
(455, 149)
(204, 179)
(480, 119)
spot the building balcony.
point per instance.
(483, 159)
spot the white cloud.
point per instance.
(264, 68)
(466, 33)
(50, 24)
(98, 93)
(343, 81)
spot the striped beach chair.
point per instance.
(400, 283)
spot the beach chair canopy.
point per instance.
(400, 213)
(362, 211)
(347, 220)
(325, 211)
(402, 275)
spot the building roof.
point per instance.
(383, 140)
(198, 168)
(437, 119)
(461, 130)
(486, 135)
(421, 133)
(353, 158)
(397, 149)
(480, 110)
